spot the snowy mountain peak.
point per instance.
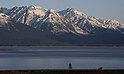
(74, 10)
(51, 11)
(71, 11)
(52, 15)
(73, 15)
(39, 11)
(35, 7)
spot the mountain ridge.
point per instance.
(31, 14)
(68, 26)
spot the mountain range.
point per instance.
(34, 25)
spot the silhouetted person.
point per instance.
(70, 67)
(100, 68)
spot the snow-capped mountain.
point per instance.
(37, 17)
(55, 23)
(89, 23)
(68, 20)
(68, 26)
(25, 14)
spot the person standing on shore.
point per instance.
(70, 67)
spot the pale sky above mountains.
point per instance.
(105, 9)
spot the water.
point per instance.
(41, 58)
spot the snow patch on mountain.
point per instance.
(4, 19)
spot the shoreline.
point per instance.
(64, 71)
(58, 47)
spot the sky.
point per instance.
(104, 9)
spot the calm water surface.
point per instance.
(40, 58)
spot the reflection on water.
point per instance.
(59, 59)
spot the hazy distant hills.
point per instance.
(33, 25)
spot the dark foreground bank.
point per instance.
(64, 71)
